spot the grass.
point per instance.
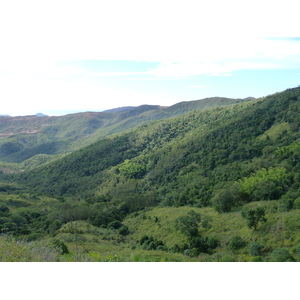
(13, 250)
(275, 131)
(93, 244)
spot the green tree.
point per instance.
(236, 243)
(60, 246)
(4, 209)
(282, 255)
(189, 224)
(132, 170)
(254, 216)
(123, 230)
(255, 249)
(265, 184)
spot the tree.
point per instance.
(189, 224)
(265, 184)
(60, 246)
(132, 170)
(254, 216)
(225, 199)
(123, 230)
(236, 243)
(222, 201)
(254, 249)
(282, 255)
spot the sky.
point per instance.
(59, 57)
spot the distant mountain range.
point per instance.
(24, 137)
(120, 109)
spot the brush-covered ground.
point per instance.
(88, 243)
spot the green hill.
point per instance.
(34, 140)
(214, 184)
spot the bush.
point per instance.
(123, 230)
(297, 203)
(162, 248)
(143, 239)
(187, 252)
(114, 225)
(34, 236)
(236, 243)
(282, 255)
(254, 216)
(150, 243)
(227, 258)
(55, 225)
(60, 246)
(4, 209)
(18, 220)
(189, 224)
(254, 249)
(151, 246)
(225, 199)
(256, 259)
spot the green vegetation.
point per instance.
(185, 183)
(254, 216)
(32, 141)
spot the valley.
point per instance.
(214, 180)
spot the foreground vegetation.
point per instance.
(152, 236)
(220, 184)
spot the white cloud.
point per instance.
(196, 86)
(115, 74)
(186, 38)
(35, 95)
(212, 68)
(162, 31)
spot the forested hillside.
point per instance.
(210, 184)
(29, 141)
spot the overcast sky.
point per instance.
(61, 56)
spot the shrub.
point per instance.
(227, 258)
(114, 225)
(60, 246)
(282, 255)
(189, 224)
(150, 243)
(55, 225)
(254, 216)
(34, 236)
(4, 209)
(236, 243)
(254, 249)
(143, 239)
(297, 203)
(151, 246)
(132, 170)
(187, 252)
(223, 200)
(123, 230)
(256, 259)
(162, 248)
(18, 220)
